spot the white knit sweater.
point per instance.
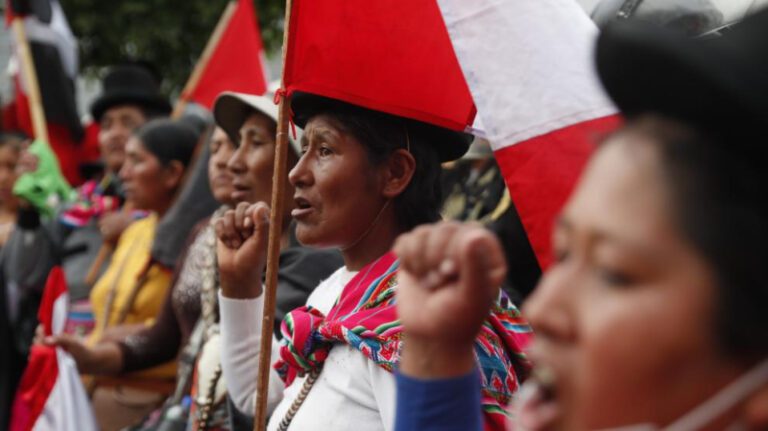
(351, 393)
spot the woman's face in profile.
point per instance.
(252, 163)
(219, 177)
(625, 316)
(338, 191)
(145, 180)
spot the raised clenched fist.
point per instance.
(242, 249)
(449, 276)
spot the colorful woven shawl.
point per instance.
(94, 199)
(92, 202)
(365, 317)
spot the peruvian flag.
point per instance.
(54, 53)
(524, 67)
(51, 395)
(237, 62)
(530, 68)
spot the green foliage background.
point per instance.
(170, 34)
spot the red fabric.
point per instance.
(55, 286)
(236, 63)
(67, 151)
(89, 150)
(9, 13)
(9, 117)
(16, 116)
(35, 387)
(42, 369)
(541, 172)
(387, 55)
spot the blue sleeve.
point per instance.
(443, 404)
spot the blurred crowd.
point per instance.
(654, 302)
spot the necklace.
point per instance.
(370, 227)
(206, 410)
(209, 307)
(315, 373)
(308, 383)
(210, 281)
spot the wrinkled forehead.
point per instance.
(323, 125)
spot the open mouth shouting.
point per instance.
(303, 208)
(537, 407)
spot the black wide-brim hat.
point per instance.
(717, 85)
(448, 144)
(130, 84)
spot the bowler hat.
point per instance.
(448, 144)
(718, 85)
(130, 84)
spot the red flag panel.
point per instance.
(388, 55)
(541, 172)
(41, 372)
(236, 64)
(16, 116)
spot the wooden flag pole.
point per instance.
(93, 272)
(29, 76)
(205, 57)
(279, 179)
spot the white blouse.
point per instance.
(351, 392)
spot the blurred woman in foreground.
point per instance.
(653, 314)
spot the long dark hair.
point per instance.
(168, 140)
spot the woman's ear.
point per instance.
(755, 413)
(398, 172)
(174, 174)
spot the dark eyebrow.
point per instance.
(325, 135)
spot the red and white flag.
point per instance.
(50, 395)
(529, 66)
(237, 64)
(55, 56)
